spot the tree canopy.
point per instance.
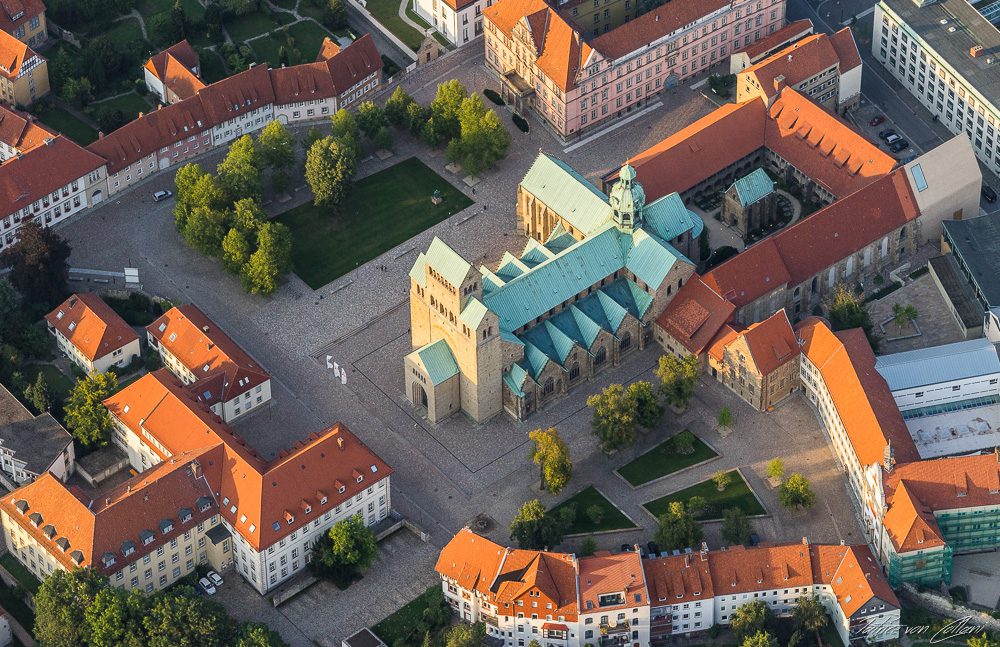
(551, 454)
(750, 618)
(277, 152)
(848, 310)
(239, 174)
(678, 529)
(348, 548)
(38, 267)
(330, 165)
(795, 493)
(677, 378)
(736, 528)
(534, 527)
(86, 418)
(614, 417)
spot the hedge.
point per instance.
(493, 96)
(520, 122)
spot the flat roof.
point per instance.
(938, 364)
(363, 638)
(957, 290)
(965, 431)
(976, 244)
(970, 29)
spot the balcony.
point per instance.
(517, 85)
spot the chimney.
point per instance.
(196, 469)
(976, 51)
(139, 116)
(805, 541)
(779, 82)
(204, 328)
(340, 443)
(100, 134)
(889, 458)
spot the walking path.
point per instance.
(357, 6)
(409, 21)
(138, 16)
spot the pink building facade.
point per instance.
(574, 83)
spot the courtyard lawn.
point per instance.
(59, 384)
(212, 67)
(613, 518)
(23, 576)
(387, 13)
(737, 495)
(308, 38)
(382, 211)
(243, 28)
(663, 460)
(125, 32)
(398, 628)
(63, 122)
(130, 104)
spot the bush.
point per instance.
(917, 273)
(887, 290)
(520, 122)
(493, 96)
(389, 67)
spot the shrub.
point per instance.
(389, 67)
(595, 513)
(887, 290)
(493, 96)
(520, 122)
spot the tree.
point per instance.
(551, 454)
(534, 643)
(776, 469)
(445, 109)
(587, 547)
(114, 619)
(272, 258)
(809, 615)
(683, 443)
(195, 188)
(760, 639)
(902, 315)
(79, 91)
(347, 549)
(110, 119)
(60, 605)
(614, 417)
(795, 493)
(335, 15)
(38, 394)
(648, 410)
(848, 310)
(370, 118)
(595, 513)
(252, 634)
(750, 618)
(179, 19)
(463, 635)
(722, 479)
(205, 229)
(343, 124)
(677, 528)
(235, 251)
(382, 139)
(677, 378)
(329, 169)
(416, 118)
(482, 138)
(248, 217)
(736, 527)
(982, 641)
(277, 152)
(396, 107)
(181, 617)
(697, 505)
(86, 417)
(533, 528)
(725, 418)
(37, 262)
(239, 173)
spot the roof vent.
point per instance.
(976, 51)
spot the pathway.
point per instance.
(403, 4)
(138, 16)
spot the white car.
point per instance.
(206, 586)
(215, 578)
(162, 195)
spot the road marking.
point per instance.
(614, 126)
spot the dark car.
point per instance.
(754, 539)
(883, 134)
(876, 121)
(899, 145)
(652, 548)
(907, 159)
(989, 194)
(626, 548)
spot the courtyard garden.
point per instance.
(387, 13)
(737, 494)
(672, 455)
(63, 122)
(594, 513)
(304, 37)
(381, 211)
(243, 28)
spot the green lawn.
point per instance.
(125, 32)
(737, 495)
(382, 211)
(415, 17)
(614, 519)
(59, 384)
(663, 460)
(212, 67)
(308, 38)
(387, 13)
(398, 627)
(243, 28)
(20, 573)
(285, 4)
(149, 8)
(63, 122)
(130, 104)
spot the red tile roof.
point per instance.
(861, 397)
(909, 523)
(42, 170)
(812, 139)
(950, 483)
(847, 49)
(13, 54)
(695, 315)
(853, 574)
(302, 83)
(652, 26)
(356, 62)
(236, 95)
(181, 52)
(607, 573)
(547, 577)
(759, 270)
(327, 49)
(14, 13)
(471, 561)
(507, 13)
(742, 570)
(789, 33)
(772, 342)
(797, 62)
(221, 367)
(678, 579)
(91, 325)
(21, 131)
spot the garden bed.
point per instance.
(736, 495)
(663, 460)
(612, 518)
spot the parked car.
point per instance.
(162, 195)
(206, 586)
(754, 539)
(907, 159)
(892, 138)
(626, 548)
(989, 194)
(652, 548)
(215, 578)
(888, 132)
(876, 121)
(899, 145)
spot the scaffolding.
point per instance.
(970, 530)
(926, 568)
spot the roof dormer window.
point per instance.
(72, 326)
(163, 326)
(60, 315)
(173, 336)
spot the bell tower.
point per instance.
(627, 200)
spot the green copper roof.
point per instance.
(668, 218)
(629, 296)
(473, 313)
(567, 193)
(650, 258)
(559, 239)
(417, 272)
(447, 262)
(438, 361)
(536, 359)
(752, 187)
(515, 378)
